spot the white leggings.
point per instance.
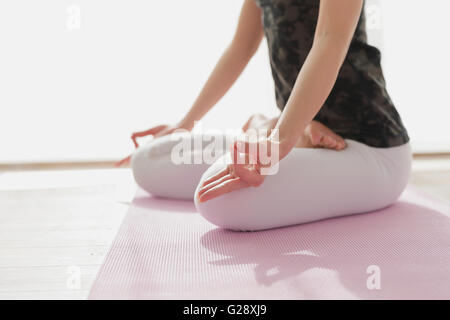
(311, 184)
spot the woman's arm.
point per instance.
(335, 28)
(245, 42)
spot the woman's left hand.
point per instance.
(243, 172)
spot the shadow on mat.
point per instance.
(408, 242)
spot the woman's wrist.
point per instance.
(186, 124)
(283, 144)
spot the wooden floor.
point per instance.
(57, 225)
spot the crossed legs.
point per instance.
(311, 185)
(317, 180)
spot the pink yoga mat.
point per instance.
(165, 250)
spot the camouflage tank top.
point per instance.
(358, 107)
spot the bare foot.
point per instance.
(317, 135)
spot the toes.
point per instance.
(342, 144)
(316, 139)
(322, 137)
(329, 142)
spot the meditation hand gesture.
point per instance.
(157, 131)
(248, 169)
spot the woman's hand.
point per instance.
(246, 170)
(158, 131)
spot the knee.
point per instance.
(233, 211)
(152, 170)
(157, 173)
(143, 166)
(217, 211)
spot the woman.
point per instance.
(341, 144)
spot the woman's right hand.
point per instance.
(158, 131)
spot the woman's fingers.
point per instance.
(252, 151)
(246, 172)
(136, 145)
(149, 131)
(214, 183)
(123, 161)
(135, 135)
(223, 188)
(145, 133)
(257, 151)
(219, 175)
(242, 173)
(243, 156)
(245, 147)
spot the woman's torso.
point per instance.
(359, 106)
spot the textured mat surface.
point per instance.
(165, 250)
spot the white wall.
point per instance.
(74, 89)
(417, 68)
